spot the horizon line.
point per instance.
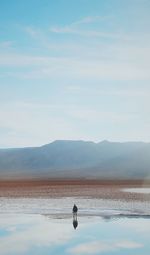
(75, 140)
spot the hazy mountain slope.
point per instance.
(78, 159)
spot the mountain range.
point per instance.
(78, 159)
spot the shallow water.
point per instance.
(41, 235)
(87, 206)
(45, 226)
(138, 190)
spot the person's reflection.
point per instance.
(75, 224)
(74, 212)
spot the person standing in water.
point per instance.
(75, 209)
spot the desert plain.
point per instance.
(57, 188)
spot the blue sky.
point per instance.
(74, 70)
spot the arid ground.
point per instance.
(73, 188)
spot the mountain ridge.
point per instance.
(78, 159)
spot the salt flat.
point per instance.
(36, 218)
(63, 206)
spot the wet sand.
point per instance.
(101, 189)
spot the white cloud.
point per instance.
(98, 116)
(123, 59)
(32, 231)
(34, 33)
(31, 124)
(34, 124)
(6, 44)
(129, 91)
(96, 62)
(120, 57)
(127, 244)
(140, 227)
(79, 27)
(96, 247)
(81, 32)
(16, 59)
(90, 19)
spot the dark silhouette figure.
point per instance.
(75, 224)
(75, 221)
(75, 209)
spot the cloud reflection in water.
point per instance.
(39, 234)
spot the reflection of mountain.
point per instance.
(78, 159)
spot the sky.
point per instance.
(74, 70)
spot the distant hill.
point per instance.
(78, 159)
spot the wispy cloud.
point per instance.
(29, 235)
(6, 44)
(129, 91)
(94, 60)
(103, 69)
(97, 247)
(16, 59)
(99, 116)
(90, 19)
(88, 33)
(27, 124)
(88, 56)
(32, 31)
(80, 28)
(94, 247)
(127, 244)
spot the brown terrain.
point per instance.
(73, 188)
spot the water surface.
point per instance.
(138, 190)
(43, 234)
(46, 226)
